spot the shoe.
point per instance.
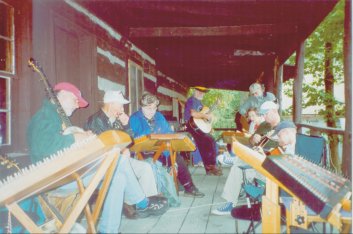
(199, 164)
(129, 211)
(193, 192)
(156, 206)
(223, 210)
(213, 170)
(159, 198)
(225, 160)
(180, 187)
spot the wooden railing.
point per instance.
(316, 130)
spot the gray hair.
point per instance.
(148, 99)
(255, 86)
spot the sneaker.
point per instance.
(199, 164)
(193, 192)
(155, 207)
(225, 160)
(223, 210)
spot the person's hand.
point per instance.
(256, 139)
(125, 152)
(208, 116)
(80, 136)
(123, 118)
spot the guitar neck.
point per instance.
(213, 107)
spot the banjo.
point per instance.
(68, 128)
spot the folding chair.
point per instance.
(312, 148)
(252, 210)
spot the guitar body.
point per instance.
(200, 126)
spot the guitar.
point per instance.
(68, 128)
(203, 126)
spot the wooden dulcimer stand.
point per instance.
(241, 137)
(95, 156)
(310, 185)
(157, 143)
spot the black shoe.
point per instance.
(159, 198)
(155, 207)
(180, 187)
(193, 192)
(129, 211)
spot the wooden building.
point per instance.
(163, 47)
(160, 47)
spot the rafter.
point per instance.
(243, 30)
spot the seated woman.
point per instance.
(254, 118)
(148, 120)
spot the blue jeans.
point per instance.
(123, 186)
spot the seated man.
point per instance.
(256, 98)
(44, 136)
(286, 135)
(269, 111)
(112, 117)
(148, 120)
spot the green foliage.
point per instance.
(225, 111)
(330, 30)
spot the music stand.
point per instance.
(157, 143)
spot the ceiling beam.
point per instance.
(244, 30)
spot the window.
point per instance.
(7, 66)
(136, 86)
(5, 110)
(6, 38)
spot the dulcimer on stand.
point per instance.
(318, 188)
(153, 142)
(95, 153)
(157, 143)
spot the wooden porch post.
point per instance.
(347, 50)
(298, 84)
(278, 71)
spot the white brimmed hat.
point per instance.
(114, 96)
(266, 106)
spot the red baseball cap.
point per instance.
(73, 89)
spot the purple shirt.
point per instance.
(191, 104)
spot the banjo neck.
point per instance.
(50, 92)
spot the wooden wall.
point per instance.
(73, 45)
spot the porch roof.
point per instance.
(217, 44)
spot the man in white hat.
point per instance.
(112, 116)
(269, 111)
